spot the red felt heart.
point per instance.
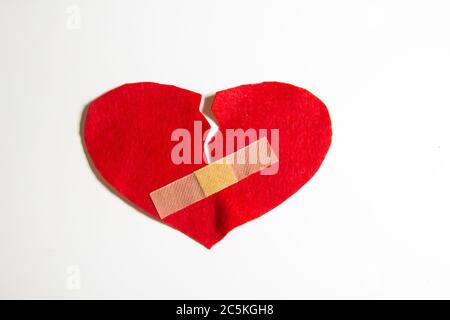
(127, 134)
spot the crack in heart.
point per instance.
(205, 109)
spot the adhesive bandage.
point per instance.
(213, 177)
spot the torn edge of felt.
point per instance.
(213, 177)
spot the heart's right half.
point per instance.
(128, 135)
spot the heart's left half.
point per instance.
(127, 135)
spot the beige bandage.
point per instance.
(213, 178)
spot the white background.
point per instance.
(373, 223)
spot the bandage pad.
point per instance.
(213, 177)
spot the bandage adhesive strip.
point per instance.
(213, 177)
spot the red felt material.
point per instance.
(127, 135)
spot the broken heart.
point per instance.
(128, 135)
